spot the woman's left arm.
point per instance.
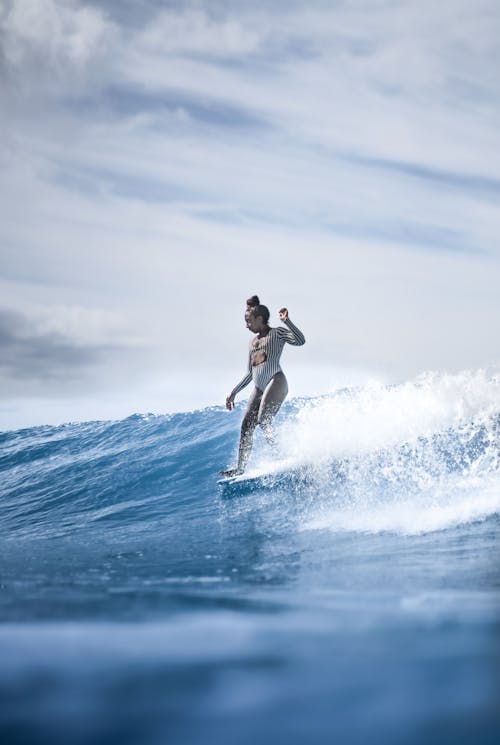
(292, 335)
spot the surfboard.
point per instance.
(283, 474)
(280, 476)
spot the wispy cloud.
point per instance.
(465, 182)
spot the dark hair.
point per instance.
(260, 310)
(253, 301)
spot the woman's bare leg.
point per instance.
(250, 421)
(270, 403)
(261, 409)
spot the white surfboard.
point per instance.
(281, 474)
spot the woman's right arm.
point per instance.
(242, 384)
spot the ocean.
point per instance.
(139, 603)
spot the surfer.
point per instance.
(264, 369)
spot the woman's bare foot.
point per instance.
(231, 472)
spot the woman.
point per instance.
(271, 386)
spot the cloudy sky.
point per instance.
(161, 161)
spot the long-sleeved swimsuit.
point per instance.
(270, 348)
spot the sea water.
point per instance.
(360, 605)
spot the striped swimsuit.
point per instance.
(272, 347)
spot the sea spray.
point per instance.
(410, 458)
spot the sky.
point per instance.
(162, 161)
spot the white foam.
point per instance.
(418, 457)
(432, 511)
(350, 422)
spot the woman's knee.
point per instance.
(249, 422)
(268, 412)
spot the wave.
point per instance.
(409, 458)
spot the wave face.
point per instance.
(122, 565)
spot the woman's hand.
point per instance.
(230, 403)
(283, 314)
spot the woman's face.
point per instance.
(255, 324)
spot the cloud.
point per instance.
(28, 354)
(56, 347)
(162, 161)
(50, 42)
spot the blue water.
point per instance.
(359, 605)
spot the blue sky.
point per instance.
(163, 161)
